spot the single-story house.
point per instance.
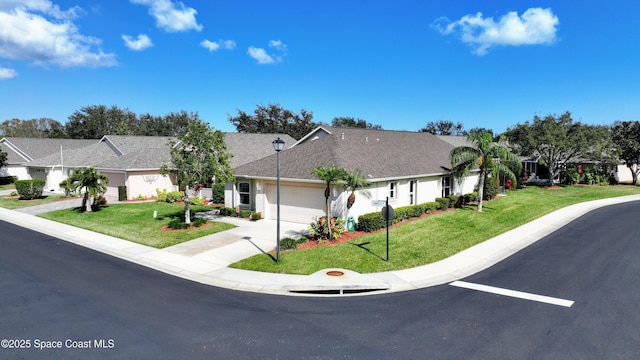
(408, 167)
(132, 161)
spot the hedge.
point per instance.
(122, 193)
(374, 221)
(30, 189)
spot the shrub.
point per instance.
(199, 222)
(430, 207)
(491, 188)
(66, 186)
(140, 197)
(175, 196)
(470, 197)
(291, 243)
(318, 229)
(162, 194)
(217, 193)
(256, 215)
(443, 203)
(453, 200)
(30, 189)
(226, 211)
(177, 224)
(403, 213)
(98, 202)
(196, 201)
(572, 176)
(245, 214)
(122, 193)
(371, 222)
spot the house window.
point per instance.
(244, 189)
(393, 190)
(446, 186)
(412, 192)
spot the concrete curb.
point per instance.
(210, 267)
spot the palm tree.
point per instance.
(93, 183)
(484, 155)
(330, 176)
(353, 182)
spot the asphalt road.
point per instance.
(54, 293)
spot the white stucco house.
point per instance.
(408, 167)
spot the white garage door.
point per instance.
(299, 204)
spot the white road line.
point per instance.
(513, 293)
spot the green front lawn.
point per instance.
(11, 186)
(435, 237)
(15, 203)
(135, 222)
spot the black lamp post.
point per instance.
(278, 145)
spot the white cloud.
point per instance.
(535, 26)
(141, 43)
(42, 6)
(170, 16)
(262, 57)
(38, 31)
(6, 73)
(214, 46)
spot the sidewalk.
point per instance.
(205, 260)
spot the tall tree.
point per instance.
(91, 181)
(330, 176)
(557, 140)
(201, 155)
(93, 122)
(171, 124)
(274, 119)
(3, 158)
(626, 139)
(34, 128)
(486, 156)
(445, 127)
(349, 122)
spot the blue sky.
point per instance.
(399, 64)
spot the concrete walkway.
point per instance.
(205, 260)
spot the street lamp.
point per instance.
(278, 145)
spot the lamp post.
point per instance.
(278, 145)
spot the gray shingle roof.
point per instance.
(250, 147)
(379, 154)
(136, 152)
(38, 148)
(119, 152)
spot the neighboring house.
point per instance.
(408, 167)
(131, 161)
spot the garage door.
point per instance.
(299, 204)
(115, 180)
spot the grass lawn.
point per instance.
(436, 237)
(135, 222)
(8, 186)
(16, 203)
